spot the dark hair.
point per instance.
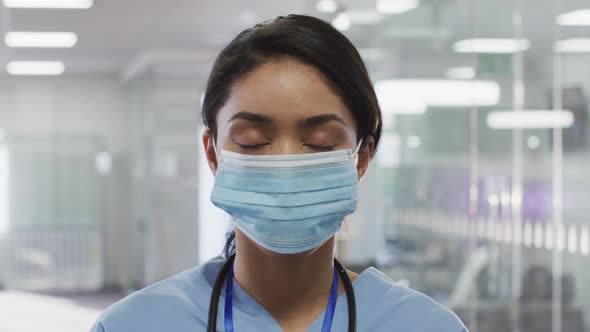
(306, 39)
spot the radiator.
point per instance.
(54, 260)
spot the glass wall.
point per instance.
(483, 168)
(54, 199)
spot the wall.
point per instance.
(37, 107)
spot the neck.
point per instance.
(284, 284)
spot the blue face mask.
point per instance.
(287, 204)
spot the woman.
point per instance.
(293, 122)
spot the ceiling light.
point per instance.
(396, 6)
(35, 68)
(49, 4)
(577, 17)
(395, 104)
(533, 142)
(103, 162)
(444, 93)
(461, 73)
(505, 198)
(40, 39)
(493, 199)
(341, 21)
(574, 45)
(326, 6)
(491, 45)
(572, 239)
(542, 119)
(414, 142)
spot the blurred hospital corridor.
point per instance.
(478, 195)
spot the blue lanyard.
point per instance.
(328, 316)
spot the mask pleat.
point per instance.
(288, 181)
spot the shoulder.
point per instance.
(181, 300)
(389, 306)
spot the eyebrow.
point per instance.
(252, 117)
(309, 122)
(321, 119)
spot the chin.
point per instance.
(309, 252)
(268, 252)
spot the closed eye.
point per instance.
(252, 146)
(320, 147)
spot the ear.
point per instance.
(364, 155)
(208, 142)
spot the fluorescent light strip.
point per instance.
(491, 45)
(392, 104)
(530, 119)
(576, 18)
(396, 6)
(572, 239)
(574, 45)
(342, 21)
(49, 68)
(326, 6)
(40, 39)
(443, 93)
(49, 4)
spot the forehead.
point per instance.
(286, 90)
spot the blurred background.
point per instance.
(478, 196)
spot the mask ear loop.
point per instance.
(219, 157)
(356, 151)
(358, 147)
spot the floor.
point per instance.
(28, 312)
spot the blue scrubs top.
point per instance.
(180, 304)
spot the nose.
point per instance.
(288, 145)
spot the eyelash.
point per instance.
(252, 147)
(320, 147)
(315, 147)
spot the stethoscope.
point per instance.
(227, 270)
